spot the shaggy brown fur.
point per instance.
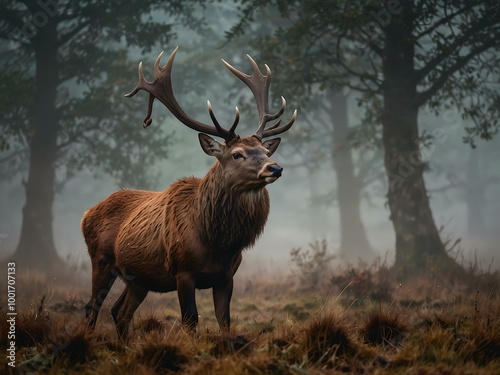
(188, 236)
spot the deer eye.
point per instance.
(237, 155)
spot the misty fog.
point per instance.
(296, 218)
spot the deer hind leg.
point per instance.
(124, 308)
(103, 277)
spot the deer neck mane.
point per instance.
(230, 220)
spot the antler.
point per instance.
(259, 84)
(161, 89)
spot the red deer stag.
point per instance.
(190, 236)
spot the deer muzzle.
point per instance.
(275, 170)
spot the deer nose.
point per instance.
(275, 169)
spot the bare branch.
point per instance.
(445, 20)
(457, 44)
(446, 187)
(422, 97)
(11, 17)
(363, 77)
(13, 154)
(71, 34)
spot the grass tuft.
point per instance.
(327, 336)
(74, 345)
(226, 344)
(484, 347)
(436, 324)
(383, 328)
(33, 327)
(151, 324)
(162, 356)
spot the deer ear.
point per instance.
(210, 145)
(272, 145)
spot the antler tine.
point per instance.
(275, 125)
(259, 85)
(263, 121)
(236, 121)
(276, 129)
(157, 68)
(141, 85)
(216, 123)
(161, 89)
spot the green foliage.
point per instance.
(341, 44)
(14, 123)
(98, 128)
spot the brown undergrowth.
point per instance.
(356, 319)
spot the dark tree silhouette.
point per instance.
(63, 77)
(399, 56)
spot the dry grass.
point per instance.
(427, 326)
(384, 328)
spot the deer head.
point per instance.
(247, 154)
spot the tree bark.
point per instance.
(475, 196)
(354, 244)
(36, 247)
(419, 247)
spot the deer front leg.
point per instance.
(222, 294)
(187, 301)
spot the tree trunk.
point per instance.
(354, 244)
(419, 247)
(475, 195)
(36, 247)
